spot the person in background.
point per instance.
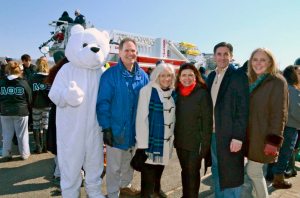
(15, 99)
(193, 126)
(28, 68)
(202, 71)
(116, 113)
(60, 60)
(297, 62)
(64, 17)
(1, 137)
(291, 169)
(149, 71)
(44, 58)
(2, 69)
(267, 118)
(79, 19)
(290, 134)
(40, 105)
(244, 68)
(3, 65)
(3, 76)
(8, 59)
(229, 92)
(155, 122)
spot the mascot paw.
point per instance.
(74, 95)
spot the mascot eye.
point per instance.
(84, 44)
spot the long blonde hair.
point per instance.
(13, 68)
(42, 66)
(273, 69)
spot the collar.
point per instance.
(124, 67)
(221, 71)
(11, 77)
(157, 86)
(163, 95)
(135, 72)
(185, 91)
(43, 73)
(27, 67)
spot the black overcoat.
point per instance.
(231, 116)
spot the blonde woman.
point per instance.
(268, 115)
(155, 123)
(15, 98)
(40, 105)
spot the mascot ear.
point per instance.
(77, 29)
(106, 34)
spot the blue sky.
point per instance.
(245, 24)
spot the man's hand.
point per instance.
(108, 137)
(235, 145)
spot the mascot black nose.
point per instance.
(95, 49)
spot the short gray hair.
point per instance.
(159, 69)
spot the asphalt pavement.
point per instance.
(33, 178)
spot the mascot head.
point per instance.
(87, 48)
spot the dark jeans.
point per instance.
(150, 179)
(227, 192)
(190, 162)
(290, 137)
(298, 140)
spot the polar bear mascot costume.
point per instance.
(74, 91)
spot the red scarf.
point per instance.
(185, 91)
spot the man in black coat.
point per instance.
(64, 17)
(79, 19)
(229, 92)
(28, 68)
(28, 71)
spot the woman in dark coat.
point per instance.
(15, 100)
(41, 105)
(267, 118)
(51, 135)
(193, 126)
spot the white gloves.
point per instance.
(74, 95)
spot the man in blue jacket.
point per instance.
(116, 111)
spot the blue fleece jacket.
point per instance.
(117, 102)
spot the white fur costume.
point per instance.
(74, 91)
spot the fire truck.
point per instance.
(150, 50)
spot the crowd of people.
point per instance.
(237, 120)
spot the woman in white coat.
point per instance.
(155, 126)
